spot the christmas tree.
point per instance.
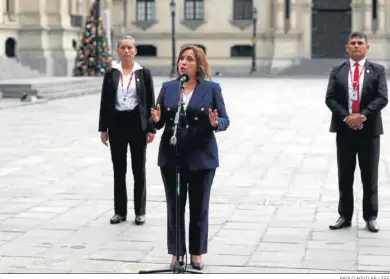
(86, 54)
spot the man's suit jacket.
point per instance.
(145, 98)
(373, 98)
(197, 144)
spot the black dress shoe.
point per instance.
(116, 219)
(372, 226)
(340, 223)
(140, 219)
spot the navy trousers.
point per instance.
(198, 185)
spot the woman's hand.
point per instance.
(213, 116)
(104, 138)
(156, 114)
(149, 137)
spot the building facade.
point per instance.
(41, 33)
(286, 30)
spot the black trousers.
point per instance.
(367, 149)
(198, 184)
(126, 130)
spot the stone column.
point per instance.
(280, 21)
(263, 14)
(33, 42)
(2, 14)
(45, 41)
(293, 17)
(60, 36)
(382, 13)
(357, 15)
(367, 16)
(305, 26)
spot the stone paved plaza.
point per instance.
(274, 195)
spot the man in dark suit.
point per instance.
(356, 94)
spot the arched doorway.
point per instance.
(10, 47)
(329, 36)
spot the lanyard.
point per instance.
(131, 77)
(356, 85)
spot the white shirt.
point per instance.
(186, 99)
(350, 80)
(126, 95)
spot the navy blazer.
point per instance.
(196, 142)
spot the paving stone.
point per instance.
(373, 260)
(332, 245)
(136, 267)
(280, 247)
(243, 226)
(329, 255)
(219, 247)
(331, 264)
(286, 257)
(115, 255)
(374, 268)
(7, 236)
(286, 235)
(225, 260)
(384, 251)
(273, 198)
(346, 235)
(286, 270)
(373, 242)
(246, 237)
(326, 271)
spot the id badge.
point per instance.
(354, 94)
(124, 99)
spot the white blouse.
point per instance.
(126, 95)
(186, 99)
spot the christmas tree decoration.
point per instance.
(85, 64)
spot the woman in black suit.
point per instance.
(126, 100)
(203, 114)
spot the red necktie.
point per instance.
(355, 85)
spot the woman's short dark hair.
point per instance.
(202, 65)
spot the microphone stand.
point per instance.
(179, 266)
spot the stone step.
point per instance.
(72, 93)
(49, 87)
(318, 67)
(10, 68)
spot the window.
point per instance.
(146, 10)
(374, 9)
(194, 10)
(10, 47)
(241, 51)
(287, 9)
(242, 9)
(146, 50)
(374, 16)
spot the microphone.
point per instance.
(184, 77)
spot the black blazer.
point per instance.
(373, 97)
(145, 97)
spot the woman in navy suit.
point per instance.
(204, 113)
